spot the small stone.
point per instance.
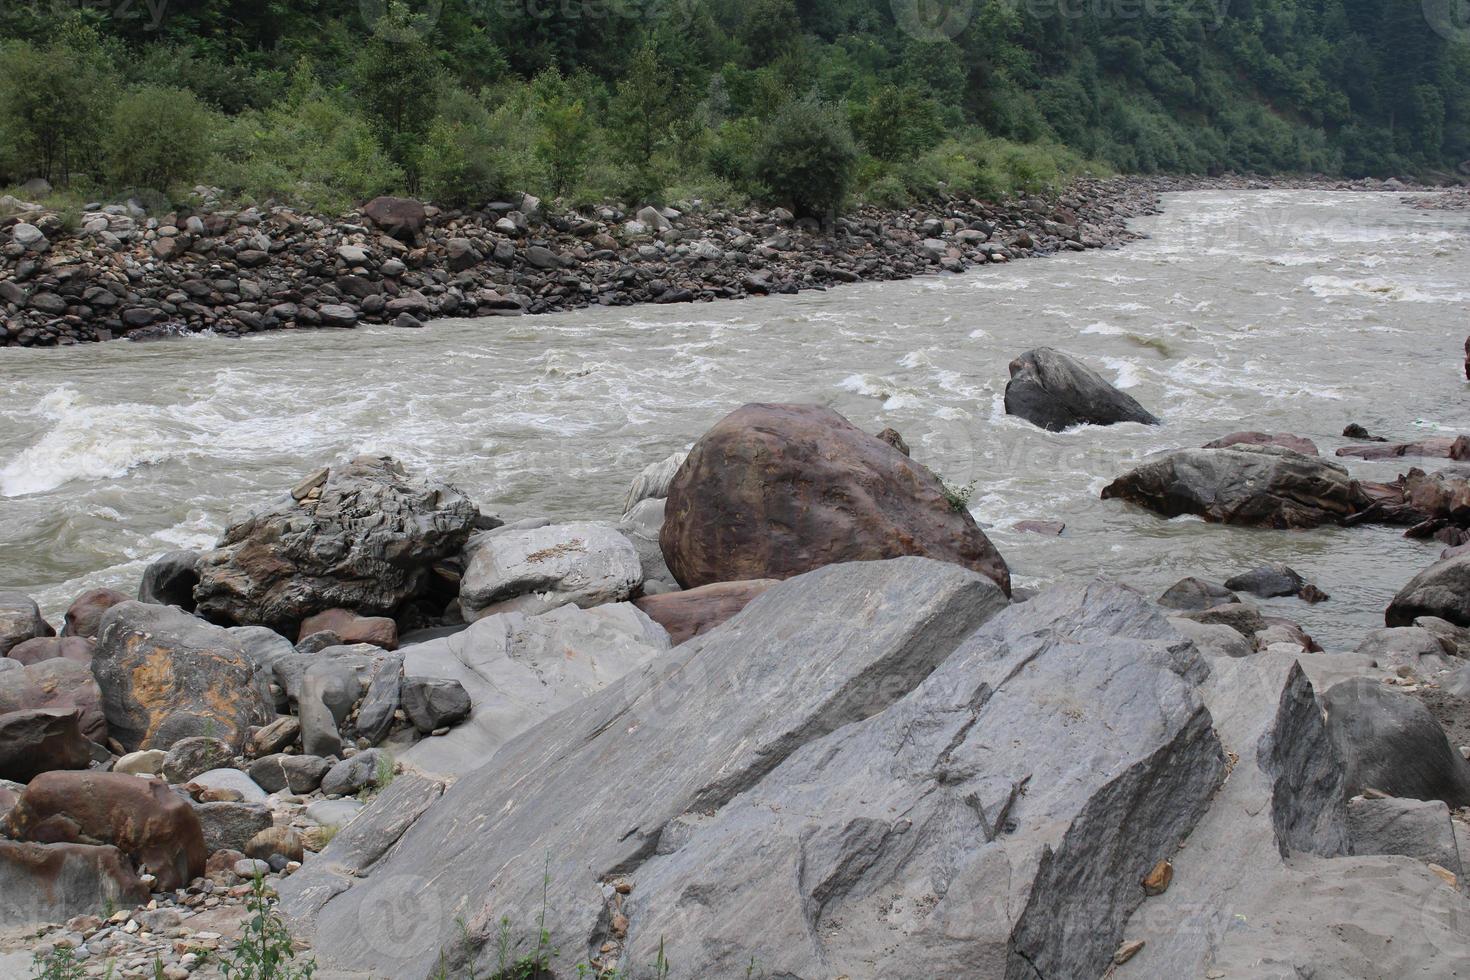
(250, 867)
(1157, 881)
(1127, 951)
(309, 484)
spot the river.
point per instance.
(1293, 311)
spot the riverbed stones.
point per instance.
(1268, 582)
(773, 491)
(1257, 486)
(75, 648)
(520, 670)
(402, 218)
(1442, 590)
(538, 569)
(350, 775)
(874, 739)
(59, 683)
(1056, 391)
(20, 620)
(141, 817)
(166, 675)
(365, 540)
(170, 580)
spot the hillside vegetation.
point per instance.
(808, 103)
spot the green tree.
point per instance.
(806, 156)
(642, 116)
(157, 137)
(564, 135)
(397, 81)
(54, 101)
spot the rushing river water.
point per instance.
(1281, 311)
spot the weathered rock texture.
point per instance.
(362, 536)
(143, 818)
(1260, 486)
(166, 675)
(852, 776)
(773, 491)
(537, 569)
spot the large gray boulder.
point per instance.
(1442, 590)
(1390, 742)
(1056, 391)
(641, 525)
(20, 620)
(520, 670)
(166, 675)
(1263, 887)
(538, 569)
(1258, 486)
(1414, 828)
(362, 535)
(852, 776)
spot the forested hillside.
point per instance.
(808, 102)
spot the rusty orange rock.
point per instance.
(143, 818)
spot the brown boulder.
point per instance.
(166, 675)
(85, 614)
(56, 683)
(686, 615)
(55, 882)
(401, 217)
(1443, 447)
(38, 740)
(776, 490)
(380, 631)
(141, 817)
(77, 648)
(1258, 486)
(1284, 439)
(276, 840)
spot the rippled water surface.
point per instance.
(1281, 310)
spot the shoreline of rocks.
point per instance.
(122, 272)
(840, 680)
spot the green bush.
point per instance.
(54, 101)
(158, 137)
(806, 156)
(310, 150)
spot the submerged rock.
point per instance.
(1285, 440)
(1260, 486)
(773, 491)
(1056, 391)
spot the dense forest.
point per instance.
(808, 102)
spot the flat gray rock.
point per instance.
(604, 786)
(520, 670)
(1414, 828)
(539, 569)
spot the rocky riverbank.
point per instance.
(119, 271)
(786, 717)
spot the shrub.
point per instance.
(806, 156)
(157, 137)
(53, 103)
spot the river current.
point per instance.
(1291, 311)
